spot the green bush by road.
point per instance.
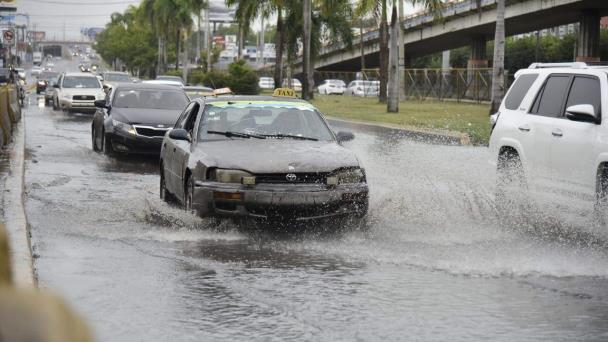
(468, 118)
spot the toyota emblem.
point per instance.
(291, 177)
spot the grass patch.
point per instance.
(468, 118)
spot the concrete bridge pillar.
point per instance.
(589, 37)
(478, 58)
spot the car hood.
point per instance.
(82, 91)
(165, 117)
(276, 155)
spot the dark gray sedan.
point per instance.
(261, 157)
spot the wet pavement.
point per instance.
(434, 263)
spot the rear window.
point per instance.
(518, 90)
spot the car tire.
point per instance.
(55, 104)
(97, 141)
(164, 193)
(511, 189)
(600, 211)
(107, 145)
(189, 194)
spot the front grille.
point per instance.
(282, 178)
(84, 97)
(294, 212)
(151, 132)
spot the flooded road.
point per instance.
(433, 265)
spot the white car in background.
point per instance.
(295, 84)
(329, 87)
(36, 71)
(266, 83)
(363, 88)
(77, 92)
(548, 142)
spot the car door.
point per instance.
(572, 152)
(182, 148)
(173, 180)
(537, 126)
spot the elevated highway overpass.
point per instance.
(463, 23)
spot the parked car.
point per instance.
(266, 83)
(77, 92)
(170, 78)
(363, 88)
(261, 157)
(134, 117)
(295, 84)
(548, 141)
(329, 87)
(194, 92)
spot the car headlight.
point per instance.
(229, 176)
(125, 127)
(348, 176)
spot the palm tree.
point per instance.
(197, 7)
(498, 65)
(307, 93)
(378, 8)
(248, 10)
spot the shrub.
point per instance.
(215, 79)
(196, 76)
(173, 73)
(242, 79)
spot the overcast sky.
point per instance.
(57, 16)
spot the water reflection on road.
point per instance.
(433, 265)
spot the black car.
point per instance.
(45, 79)
(261, 157)
(134, 118)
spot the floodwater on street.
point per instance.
(434, 263)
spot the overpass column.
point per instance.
(589, 37)
(478, 58)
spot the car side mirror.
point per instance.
(101, 104)
(344, 136)
(581, 112)
(179, 134)
(55, 85)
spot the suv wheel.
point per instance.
(601, 197)
(164, 193)
(55, 104)
(511, 199)
(189, 194)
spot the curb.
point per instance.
(14, 213)
(414, 133)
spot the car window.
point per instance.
(518, 90)
(181, 121)
(585, 90)
(80, 82)
(262, 118)
(150, 98)
(550, 99)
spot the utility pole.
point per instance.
(261, 49)
(208, 39)
(64, 30)
(198, 38)
(401, 63)
(308, 77)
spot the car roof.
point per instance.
(116, 73)
(81, 74)
(252, 98)
(196, 88)
(137, 86)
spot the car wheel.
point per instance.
(189, 194)
(55, 104)
(164, 193)
(511, 199)
(107, 145)
(601, 198)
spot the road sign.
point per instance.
(8, 35)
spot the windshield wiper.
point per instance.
(281, 135)
(231, 134)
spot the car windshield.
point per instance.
(263, 118)
(117, 78)
(80, 82)
(170, 78)
(150, 99)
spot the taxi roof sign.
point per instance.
(222, 91)
(285, 92)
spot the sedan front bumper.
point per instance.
(83, 106)
(298, 202)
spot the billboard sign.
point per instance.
(36, 35)
(8, 5)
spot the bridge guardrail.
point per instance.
(10, 112)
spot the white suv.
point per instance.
(550, 139)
